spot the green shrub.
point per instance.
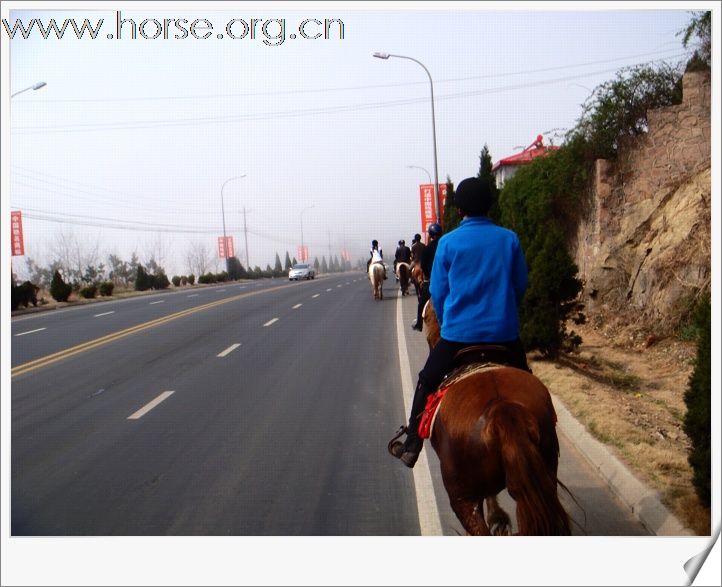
(207, 278)
(176, 280)
(89, 291)
(25, 294)
(191, 279)
(143, 281)
(160, 281)
(529, 203)
(106, 288)
(698, 398)
(59, 289)
(184, 280)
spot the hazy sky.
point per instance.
(142, 133)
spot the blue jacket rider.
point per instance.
(478, 279)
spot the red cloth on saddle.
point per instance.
(427, 418)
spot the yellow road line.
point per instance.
(86, 346)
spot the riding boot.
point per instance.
(409, 450)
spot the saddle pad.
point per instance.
(429, 415)
(468, 370)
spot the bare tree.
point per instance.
(74, 256)
(198, 258)
(155, 254)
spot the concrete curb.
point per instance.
(642, 501)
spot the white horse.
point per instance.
(376, 275)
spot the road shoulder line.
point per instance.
(429, 520)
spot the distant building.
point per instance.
(506, 168)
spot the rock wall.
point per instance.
(646, 244)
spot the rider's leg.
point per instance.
(437, 365)
(423, 298)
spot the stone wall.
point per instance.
(646, 243)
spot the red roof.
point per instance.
(536, 149)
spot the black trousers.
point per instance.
(424, 296)
(439, 363)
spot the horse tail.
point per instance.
(529, 479)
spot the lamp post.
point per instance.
(36, 86)
(422, 169)
(303, 250)
(433, 122)
(223, 213)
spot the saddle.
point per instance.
(484, 353)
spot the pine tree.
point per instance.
(288, 265)
(59, 289)
(485, 173)
(698, 399)
(451, 214)
(324, 266)
(278, 268)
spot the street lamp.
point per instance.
(433, 122)
(36, 86)
(422, 169)
(303, 250)
(223, 212)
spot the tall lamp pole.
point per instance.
(303, 250)
(422, 169)
(36, 86)
(433, 123)
(223, 213)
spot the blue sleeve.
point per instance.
(439, 286)
(519, 272)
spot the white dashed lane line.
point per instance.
(229, 350)
(297, 306)
(149, 406)
(329, 289)
(193, 296)
(271, 322)
(104, 314)
(158, 302)
(315, 295)
(30, 332)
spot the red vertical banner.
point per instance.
(428, 207)
(16, 232)
(302, 253)
(225, 247)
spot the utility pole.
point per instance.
(245, 233)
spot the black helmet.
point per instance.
(435, 229)
(473, 196)
(374, 243)
(417, 237)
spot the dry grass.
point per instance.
(630, 397)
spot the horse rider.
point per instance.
(377, 256)
(427, 261)
(478, 279)
(403, 255)
(417, 247)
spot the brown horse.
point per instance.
(376, 275)
(403, 272)
(417, 277)
(495, 429)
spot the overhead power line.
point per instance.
(355, 88)
(146, 124)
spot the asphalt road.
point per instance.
(254, 409)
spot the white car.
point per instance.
(301, 271)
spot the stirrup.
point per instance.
(401, 431)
